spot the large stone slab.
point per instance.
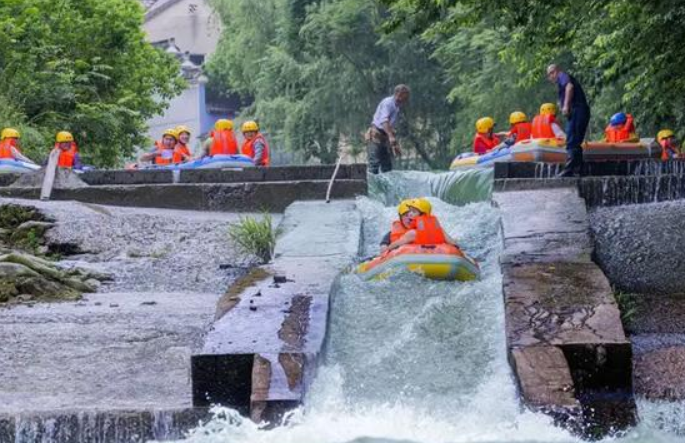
(516, 170)
(233, 197)
(564, 334)
(260, 356)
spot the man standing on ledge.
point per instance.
(574, 106)
(381, 135)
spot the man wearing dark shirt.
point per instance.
(573, 104)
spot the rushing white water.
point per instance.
(414, 360)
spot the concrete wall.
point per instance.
(192, 23)
(564, 334)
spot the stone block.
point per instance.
(558, 304)
(544, 378)
(659, 374)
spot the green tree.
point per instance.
(316, 71)
(82, 66)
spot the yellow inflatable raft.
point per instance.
(439, 262)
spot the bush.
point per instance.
(254, 237)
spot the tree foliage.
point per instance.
(624, 52)
(81, 66)
(317, 70)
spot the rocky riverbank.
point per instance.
(128, 345)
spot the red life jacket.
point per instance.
(397, 231)
(482, 143)
(542, 126)
(618, 134)
(6, 146)
(668, 151)
(181, 151)
(223, 143)
(165, 157)
(522, 131)
(66, 158)
(428, 231)
(248, 149)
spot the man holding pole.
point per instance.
(381, 138)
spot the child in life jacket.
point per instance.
(401, 226)
(425, 227)
(670, 148)
(545, 124)
(163, 152)
(485, 140)
(621, 129)
(520, 129)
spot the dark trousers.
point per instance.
(380, 157)
(576, 128)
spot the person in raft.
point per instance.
(399, 227)
(221, 140)
(182, 151)
(485, 139)
(670, 148)
(9, 146)
(425, 229)
(255, 145)
(621, 129)
(68, 151)
(545, 124)
(520, 128)
(163, 152)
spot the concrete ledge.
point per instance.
(8, 179)
(278, 173)
(517, 170)
(267, 196)
(261, 354)
(115, 426)
(564, 334)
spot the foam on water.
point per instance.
(413, 360)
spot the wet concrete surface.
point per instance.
(261, 354)
(128, 346)
(564, 334)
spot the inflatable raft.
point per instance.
(551, 150)
(214, 162)
(440, 262)
(10, 166)
(219, 162)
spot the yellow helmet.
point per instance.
(664, 134)
(423, 205)
(250, 126)
(170, 132)
(64, 137)
(404, 207)
(517, 117)
(484, 125)
(180, 129)
(9, 133)
(548, 109)
(223, 124)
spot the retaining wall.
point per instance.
(565, 339)
(261, 353)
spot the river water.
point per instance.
(414, 360)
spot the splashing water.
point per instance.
(414, 360)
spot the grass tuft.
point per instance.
(255, 238)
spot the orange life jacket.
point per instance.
(482, 143)
(66, 158)
(165, 157)
(248, 149)
(542, 126)
(618, 134)
(6, 146)
(397, 231)
(522, 131)
(428, 231)
(223, 143)
(181, 151)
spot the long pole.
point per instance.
(330, 184)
